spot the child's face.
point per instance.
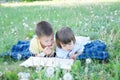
(47, 41)
(67, 47)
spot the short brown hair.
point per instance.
(43, 28)
(64, 35)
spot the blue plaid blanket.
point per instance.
(95, 50)
(19, 51)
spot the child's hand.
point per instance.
(47, 51)
(73, 56)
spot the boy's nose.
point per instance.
(49, 43)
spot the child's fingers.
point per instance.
(47, 51)
(46, 48)
(72, 56)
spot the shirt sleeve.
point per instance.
(60, 53)
(78, 48)
(34, 46)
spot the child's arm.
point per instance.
(60, 53)
(34, 47)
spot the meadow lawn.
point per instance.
(97, 20)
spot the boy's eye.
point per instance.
(46, 41)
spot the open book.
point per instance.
(48, 61)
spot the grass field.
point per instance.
(100, 20)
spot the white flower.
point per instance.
(50, 72)
(60, 78)
(19, 56)
(88, 61)
(1, 74)
(25, 25)
(23, 75)
(24, 79)
(34, 23)
(26, 18)
(27, 75)
(11, 22)
(5, 63)
(86, 70)
(13, 30)
(38, 68)
(30, 29)
(20, 74)
(67, 76)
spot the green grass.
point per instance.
(98, 21)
